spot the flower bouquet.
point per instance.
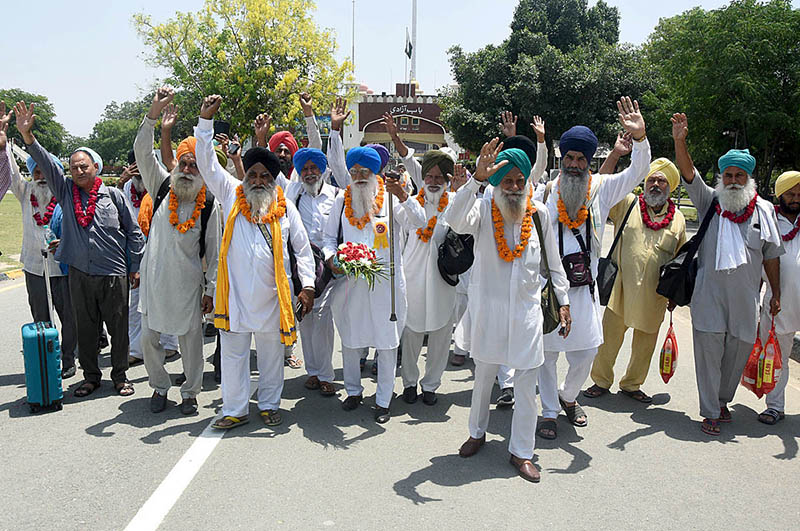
(358, 260)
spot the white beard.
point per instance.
(42, 194)
(259, 198)
(137, 184)
(655, 198)
(363, 196)
(433, 198)
(185, 185)
(573, 191)
(314, 188)
(511, 204)
(734, 197)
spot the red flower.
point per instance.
(85, 217)
(48, 212)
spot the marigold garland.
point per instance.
(276, 210)
(583, 213)
(649, 223)
(426, 233)
(789, 236)
(85, 217)
(499, 232)
(361, 222)
(48, 211)
(187, 225)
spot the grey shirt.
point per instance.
(728, 301)
(112, 244)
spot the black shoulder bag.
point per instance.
(322, 274)
(578, 266)
(163, 190)
(676, 279)
(550, 305)
(606, 268)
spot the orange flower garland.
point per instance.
(583, 213)
(199, 203)
(361, 222)
(426, 233)
(499, 232)
(276, 210)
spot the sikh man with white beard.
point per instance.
(174, 294)
(362, 314)
(253, 294)
(651, 229)
(579, 205)
(430, 297)
(505, 293)
(742, 239)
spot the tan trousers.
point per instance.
(642, 349)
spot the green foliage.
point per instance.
(112, 137)
(48, 131)
(258, 54)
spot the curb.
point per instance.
(11, 275)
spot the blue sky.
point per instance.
(84, 54)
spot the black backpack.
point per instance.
(163, 190)
(455, 256)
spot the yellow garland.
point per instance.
(499, 232)
(361, 222)
(199, 203)
(583, 213)
(426, 233)
(276, 210)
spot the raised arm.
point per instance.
(336, 158)
(53, 173)
(168, 119)
(622, 147)
(5, 147)
(314, 138)
(151, 171)
(217, 179)
(391, 128)
(699, 192)
(261, 127)
(508, 123)
(537, 172)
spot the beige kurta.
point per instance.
(640, 254)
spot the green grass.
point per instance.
(690, 213)
(10, 228)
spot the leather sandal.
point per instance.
(326, 389)
(227, 422)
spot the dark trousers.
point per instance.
(37, 300)
(98, 299)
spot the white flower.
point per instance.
(363, 261)
(342, 246)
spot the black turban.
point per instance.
(524, 143)
(264, 156)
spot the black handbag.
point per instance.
(578, 266)
(677, 277)
(550, 306)
(455, 256)
(606, 268)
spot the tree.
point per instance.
(258, 54)
(48, 131)
(735, 72)
(113, 135)
(562, 61)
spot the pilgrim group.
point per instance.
(245, 245)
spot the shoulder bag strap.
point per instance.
(266, 234)
(538, 223)
(701, 232)
(621, 228)
(163, 190)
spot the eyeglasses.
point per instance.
(363, 172)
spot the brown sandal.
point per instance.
(327, 389)
(124, 388)
(312, 383)
(85, 389)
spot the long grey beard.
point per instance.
(259, 197)
(655, 198)
(433, 198)
(185, 185)
(42, 194)
(734, 197)
(363, 196)
(511, 204)
(137, 184)
(573, 190)
(314, 188)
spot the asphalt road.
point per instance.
(98, 462)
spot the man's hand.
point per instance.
(306, 298)
(168, 117)
(459, 177)
(538, 127)
(631, 118)
(335, 270)
(127, 174)
(339, 113)
(680, 127)
(486, 166)
(133, 280)
(623, 145)
(305, 104)
(25, 120)
(671, 305)
(390, 125)
(161, 99)
(5, 118)
(238, 154)
(207, 304)
(395, 187)
(261, 126)
(774, 306)
(53, 246)
(222, 138)
(508, 124)
(210, 106)
(566, 321)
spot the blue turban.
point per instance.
(31, 164)
(365, 156)
(740, 158)
(314, 155)
(578, 138)
(515, 157)
(383, 152)
(97, 159)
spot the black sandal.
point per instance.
(637, 395)
(573, 412)
(595, 391)
(547, 429)
(771, 416)
(85, 389)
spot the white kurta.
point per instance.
(788, 319)
(362, 315)
(253, 292)
(505, 297)
(430, 299)
(606, 191)
(172, 283)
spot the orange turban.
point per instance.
(186, 146)
(283, 137)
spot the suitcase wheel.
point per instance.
(58, 405)
(34, 408)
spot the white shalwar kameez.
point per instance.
(505, 308)
(252, 297)
(587, 330)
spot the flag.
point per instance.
(409, 46)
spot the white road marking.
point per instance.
(9, 288)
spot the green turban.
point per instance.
(439, 158)
(515, 157)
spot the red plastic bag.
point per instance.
(751, 379)
(771, 363)
(668, 360)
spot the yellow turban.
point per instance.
(669, 170)
(786, 181)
